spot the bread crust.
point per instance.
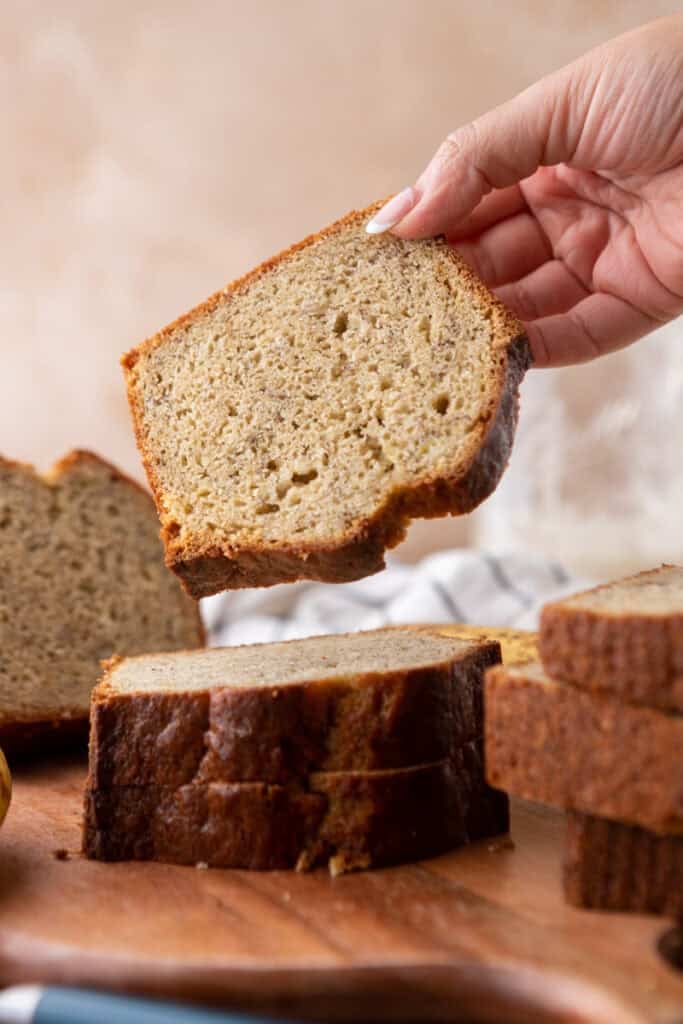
(559, 745)
(206, 569)
(638, 657)
(347, 820)
(611, 866)
(282, 733)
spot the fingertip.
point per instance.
(423, 221)
(393, 211)
(410, 229)
(438, 212)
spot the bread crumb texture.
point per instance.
(81, 577)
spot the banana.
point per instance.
(5, 787)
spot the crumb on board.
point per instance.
(201, 865)
(60, 854)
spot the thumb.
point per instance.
(542, 125)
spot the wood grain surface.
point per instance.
(481, 934)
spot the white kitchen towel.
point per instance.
(450, 586)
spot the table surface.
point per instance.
(479, 934)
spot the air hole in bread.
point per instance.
(341, 323)
(301, 479)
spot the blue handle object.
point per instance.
(82, 1006)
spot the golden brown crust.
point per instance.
(349, 820)
(206, 570)
(610, 866)
(637, 657)
(387, 817)
(282, 733)
(246, 825)
(82, 456)
(70, 461)
(587, 752)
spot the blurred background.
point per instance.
(153, 151)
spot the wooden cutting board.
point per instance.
(481, 934)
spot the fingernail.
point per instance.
(398, 207)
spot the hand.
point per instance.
(568, 200)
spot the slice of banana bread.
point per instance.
(82, 576)
(296, 421)
(554, 743)
(625, 638)
(388, 698)
(348, 820)
(611, 866)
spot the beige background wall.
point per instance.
(152, 151)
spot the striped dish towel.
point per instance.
(451, 586)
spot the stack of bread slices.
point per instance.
(353, 750)
(597, 728)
